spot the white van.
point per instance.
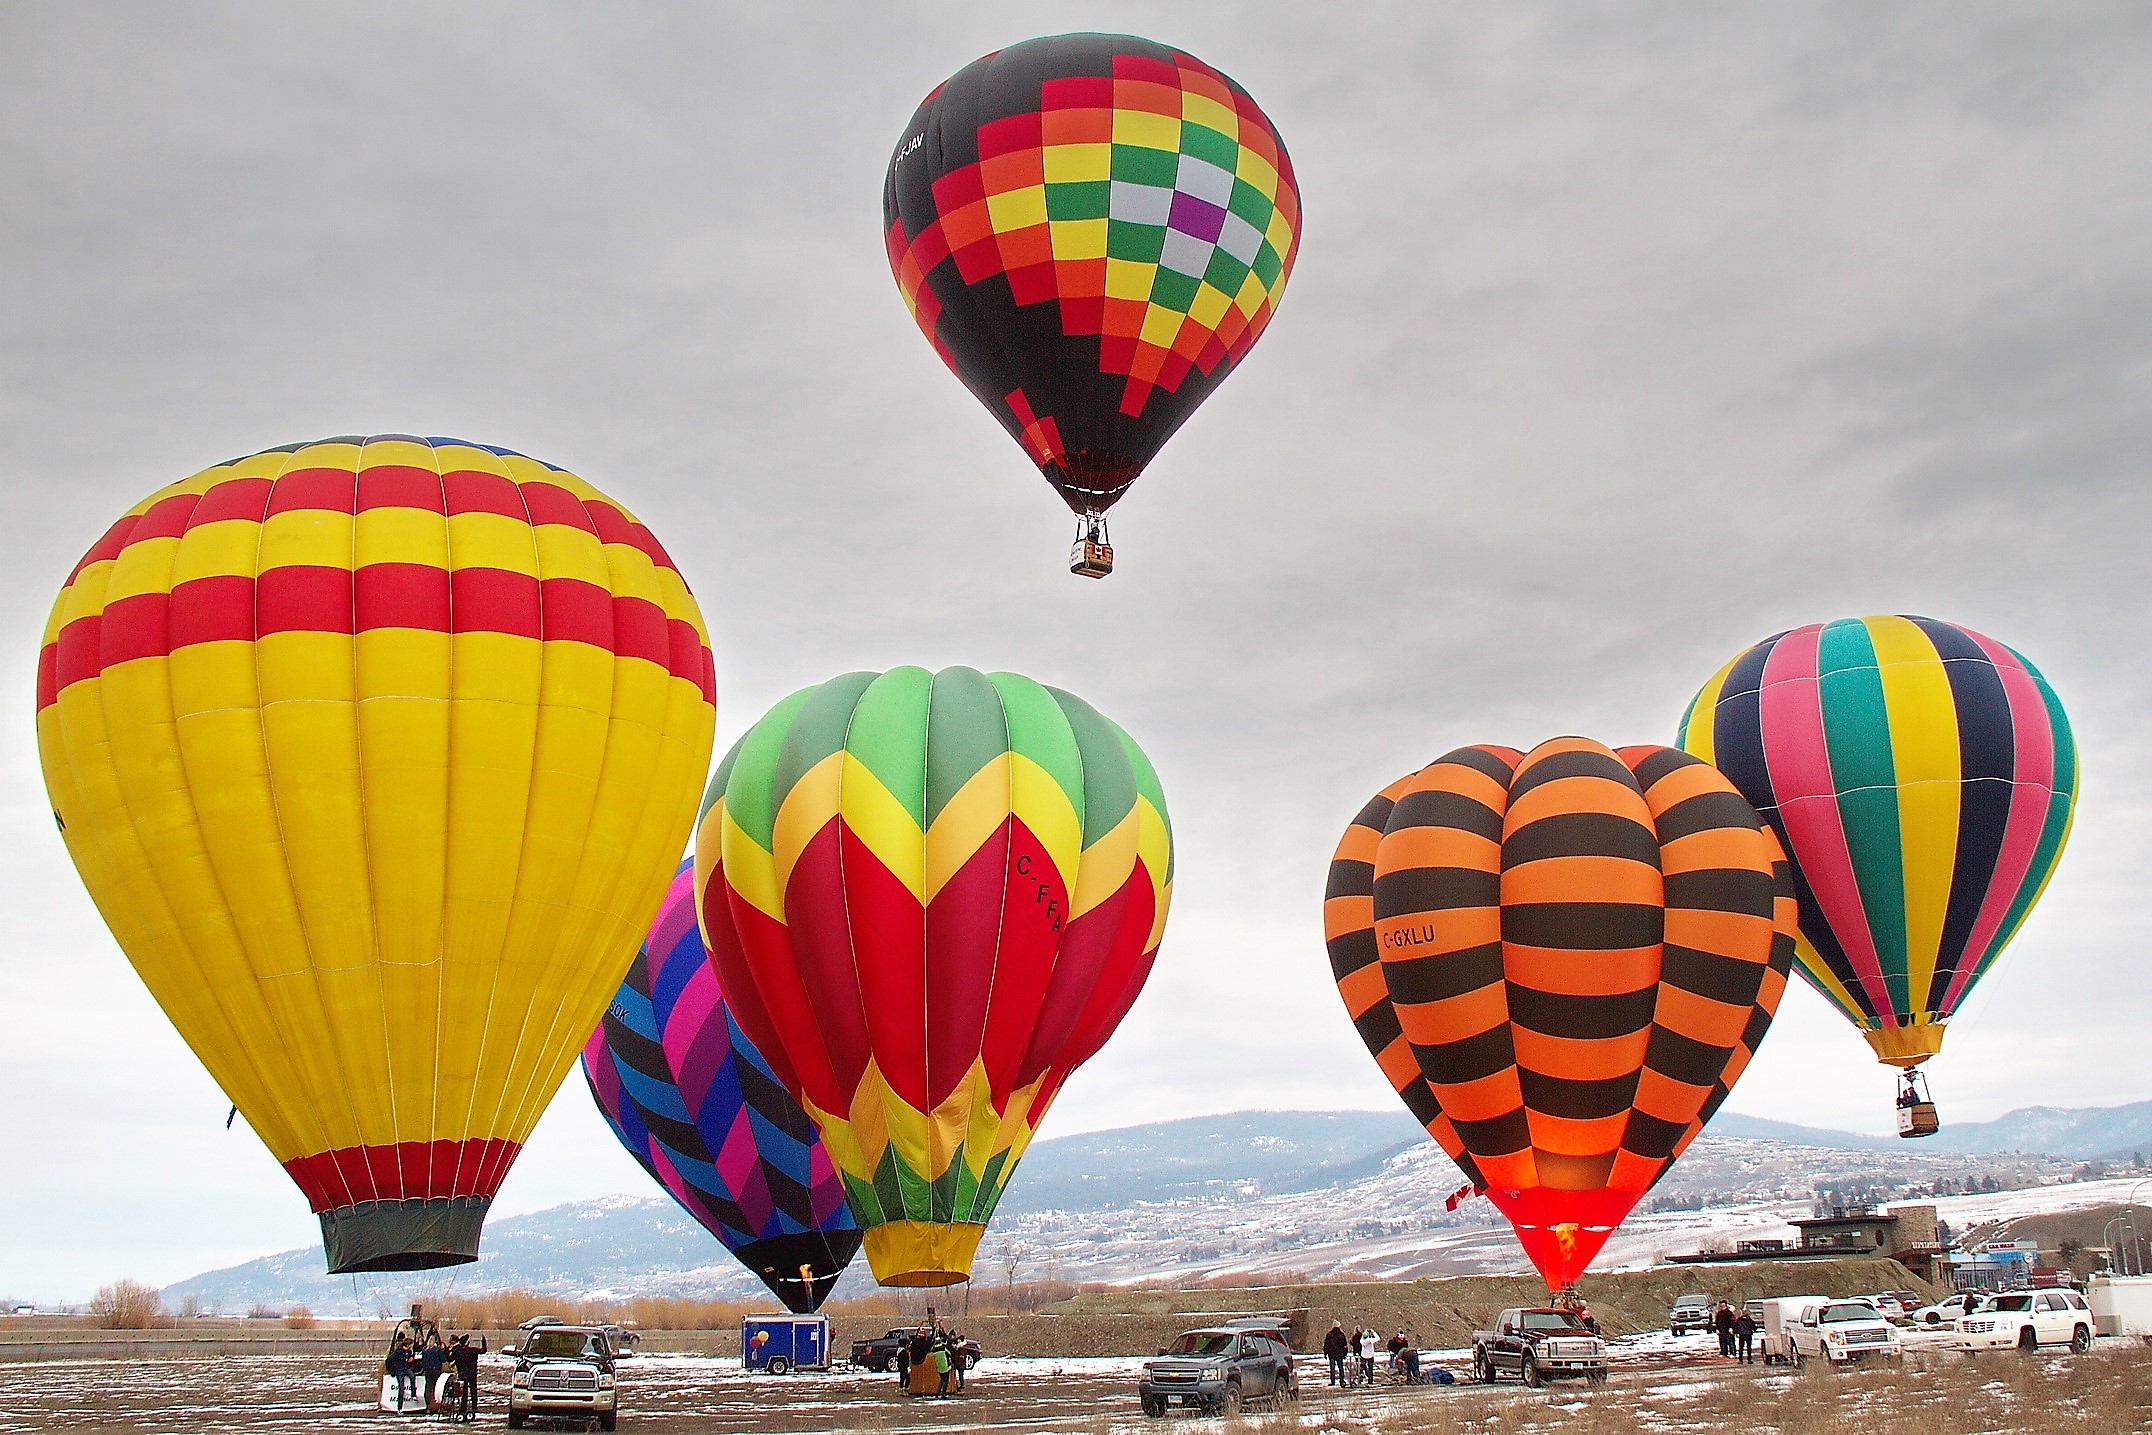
(1842, 1330)
(1775, 1319)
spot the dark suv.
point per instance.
(1219, 1369)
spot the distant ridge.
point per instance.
(2081, 1134)
(1358, 1192)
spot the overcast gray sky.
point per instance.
(1621, 336)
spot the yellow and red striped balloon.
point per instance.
(1562, 961)
(376, 755)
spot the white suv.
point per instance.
(2027, 1320)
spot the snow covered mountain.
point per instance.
(1274, 1192)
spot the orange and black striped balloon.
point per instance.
(1562, 961)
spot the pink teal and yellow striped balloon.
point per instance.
(1922, 778)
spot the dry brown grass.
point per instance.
(299, 1318)
(2106, 1392)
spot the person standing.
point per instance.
(1370, 1342)
(1723, 1323)
(465, 1355)
(1337, 1345)
(1745, 1336)
(403, 1365)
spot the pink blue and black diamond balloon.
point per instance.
(697, 1105)
(1092, 230)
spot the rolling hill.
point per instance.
(1276, 1192)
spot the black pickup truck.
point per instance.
(880, 1353)
(1537, 1344)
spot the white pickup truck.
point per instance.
(1840, 1331)
(2027, 1320)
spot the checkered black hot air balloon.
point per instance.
(1562, 961)
(698, 1107)
(1092, 230)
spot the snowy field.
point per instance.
(673, 1395)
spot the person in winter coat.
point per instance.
(1337, 1346)
(465, 1355)
(1723, 1323)
(1745, 1337)
(403, 1364)
(1370, 1342)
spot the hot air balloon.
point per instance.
(1562, 960)
(1092, 230)
(1922, 777)
(374, 753)
(699, 1108)
(929, 898)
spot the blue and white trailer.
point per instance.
(781, 1344)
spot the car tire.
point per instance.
(516, 1419)
(1154, 1408)
(779, 1365)
(1481, 1370)
(2028, 1339)
(610, 1420)
(1229, 1403)
(2081, 1339)
(1531, 1372)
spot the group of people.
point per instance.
(417, 1356)
(1352, 1357)
(931, 1361)
(1736, 1332)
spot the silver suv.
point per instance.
(1217, 1369)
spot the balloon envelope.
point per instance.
(1922, 778)
(699, 1108)
(1092, 230)
(1562, 961)
(374, 754)
(929, 898)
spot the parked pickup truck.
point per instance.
(880, 1353)
(1691, 1312)
(1840, 1331)
(1215, 1370)
(1538, 1344)
(563, 1371)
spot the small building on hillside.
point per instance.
(1907, 1235)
